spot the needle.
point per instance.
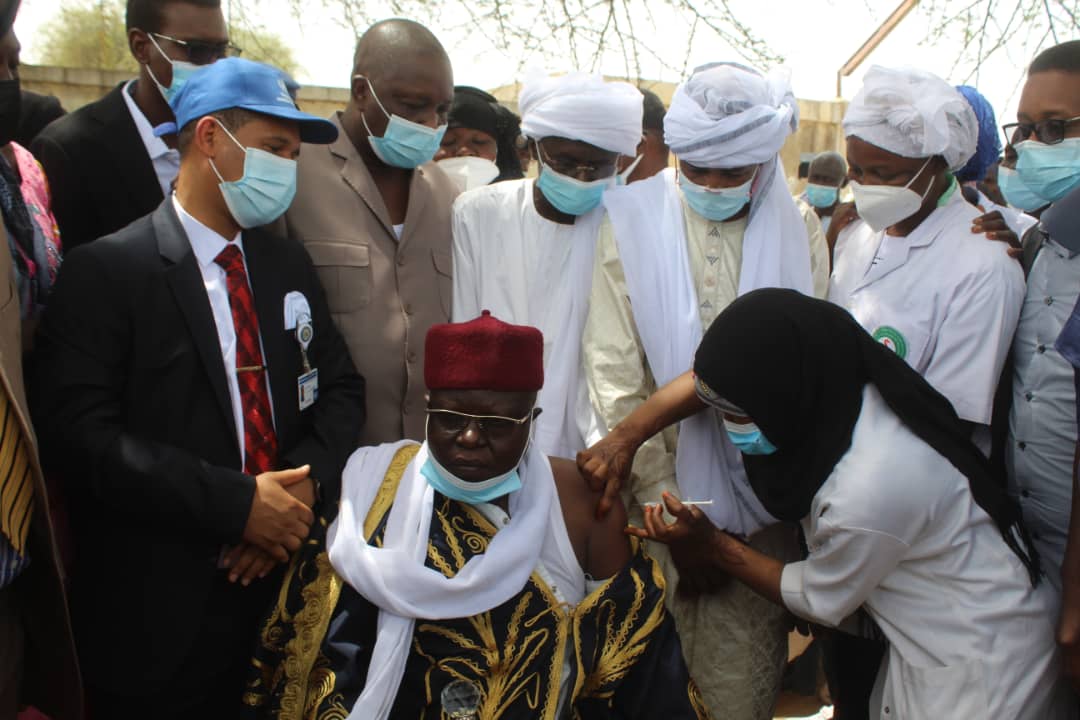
(684, 502)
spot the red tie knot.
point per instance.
(231, 259)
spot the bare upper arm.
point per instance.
(601, 546)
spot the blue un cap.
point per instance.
(239, 83)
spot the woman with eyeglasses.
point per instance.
(907, 266)
(910, 271)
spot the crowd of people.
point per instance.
(587, 442)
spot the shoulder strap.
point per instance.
(384, 498)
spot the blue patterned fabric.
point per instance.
(11, 563)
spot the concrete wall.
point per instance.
(76, 87)
(819, 126)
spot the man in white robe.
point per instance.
(668, 262)
(524, 249)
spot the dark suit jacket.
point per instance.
(99, 173)
(130, 395)
(50, 673)
(36, 111)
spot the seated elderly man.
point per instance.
(466, 574)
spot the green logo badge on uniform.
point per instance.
(891, 338)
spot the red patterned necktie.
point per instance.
(260, 440)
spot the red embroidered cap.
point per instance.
(484, 354)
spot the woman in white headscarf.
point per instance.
(679, 248)
(907, 266)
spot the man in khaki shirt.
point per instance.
(374, 214)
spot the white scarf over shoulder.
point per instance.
(395, 578)
(648, 221)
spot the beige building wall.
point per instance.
(75, 88)
(819, 125)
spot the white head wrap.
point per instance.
(914, 114)
(728, 115)
(582, 106)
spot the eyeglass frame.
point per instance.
(479, 419)
(1010, 130)
(220, 50)
(590, 170)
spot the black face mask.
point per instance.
(10, 104)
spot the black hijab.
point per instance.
(797, 366)
(478, 110)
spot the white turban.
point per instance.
(914, 114)
(728, 115)
(581, 106)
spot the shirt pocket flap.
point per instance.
(344, 269)
(444, 263)
(339, 254)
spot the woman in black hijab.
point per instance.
(479, 127)
(900, 514)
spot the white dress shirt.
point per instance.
(207, 245)
(166, 160)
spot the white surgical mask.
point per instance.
(469, 172)
(181, 72)
(882, 206)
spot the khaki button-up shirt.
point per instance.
(384, 293)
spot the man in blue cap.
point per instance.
(199, 403)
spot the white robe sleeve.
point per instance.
(466, 297)
(844, 566)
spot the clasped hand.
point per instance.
(279, 521)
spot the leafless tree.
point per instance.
(583, 31)
(987, 28)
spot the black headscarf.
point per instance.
(8, 10)
(477, 110)
(797, 366)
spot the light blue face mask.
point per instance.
(265, 190)
(1016, 192)
(715, 204)
(1049, 171)
(404, 144)
(570, 195)
(181, 73)
(467, 491)
(748, 439)
(821, 196)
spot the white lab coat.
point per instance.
(945, 299)
(895, 530)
